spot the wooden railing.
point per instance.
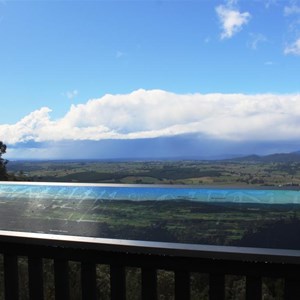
(149, 257)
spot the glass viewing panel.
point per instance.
(216, 216)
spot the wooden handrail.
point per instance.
(159, 248)
(182, 259)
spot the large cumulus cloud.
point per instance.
(157, 113)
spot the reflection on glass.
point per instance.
(241, 217)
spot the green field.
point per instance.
(224, 173)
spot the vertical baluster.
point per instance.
(11, 280)
(216, 286)
(117, 282)
(61, 279)
(88, 281)
(149, 284)
(182, 285)
(292, 288)
(36, 284)
(253, 287)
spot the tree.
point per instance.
(3, 162)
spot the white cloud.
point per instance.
(207, 40)
(72, 94)
(256, 39)
(157, 113)
(269, 63)
(231, 20)
(293, 48)
(232, 2)
(120, 54)
(269, 3)
(291, 10)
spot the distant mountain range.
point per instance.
(276, 157)
(254, 158)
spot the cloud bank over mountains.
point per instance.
(145, 114)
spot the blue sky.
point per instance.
(220, 77)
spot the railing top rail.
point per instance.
(158, 248)
(178, 186)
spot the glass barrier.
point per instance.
(181, 214)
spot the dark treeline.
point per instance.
(3, 162)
